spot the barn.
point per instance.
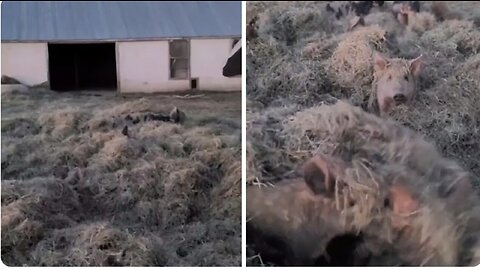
(129, 47)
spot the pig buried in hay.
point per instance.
(366, 192)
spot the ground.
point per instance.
(76, 191)
(290, 74)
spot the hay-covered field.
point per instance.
(304, 60)
(76, 191)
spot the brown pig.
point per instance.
(442, 12)
(297, 223)
(394, 81)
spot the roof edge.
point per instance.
(115, 40)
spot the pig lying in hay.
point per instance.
(370, 192)
(416, 21)
(394, 83)
(355, 64)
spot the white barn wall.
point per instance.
(207, 58)
(143, 67)
(26, 62)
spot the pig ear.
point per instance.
(416, 65)
(457, 190)
(318, 176)
(356, 21)
(403, 204)
(379, 61)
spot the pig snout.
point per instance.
(392, 94)
(399, 99)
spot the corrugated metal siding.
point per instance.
(63, 21)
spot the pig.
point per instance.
(356, 21)
(399, 5)
(402, 10)
(359, 8)
(442, 12)
(406, 11)
(418, 22)
(176, 115)
(251, 32)
(354, 11)
(395, 82)
(296, 222)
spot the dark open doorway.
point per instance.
(194, 84)
(82, 66)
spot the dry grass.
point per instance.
(291, 82)
(77, 192)
(351, 64)
(280, 74)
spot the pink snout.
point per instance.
(399, 99)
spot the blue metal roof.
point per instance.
(102, 20)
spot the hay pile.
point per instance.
(77, 192)
(279, 73)
(280, 62)
(283, 79)
(351, 63)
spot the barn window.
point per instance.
(179, 59)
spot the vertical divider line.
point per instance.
(244, 133)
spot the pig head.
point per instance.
(395, 81)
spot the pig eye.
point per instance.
(406, 78)
(389, 77)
